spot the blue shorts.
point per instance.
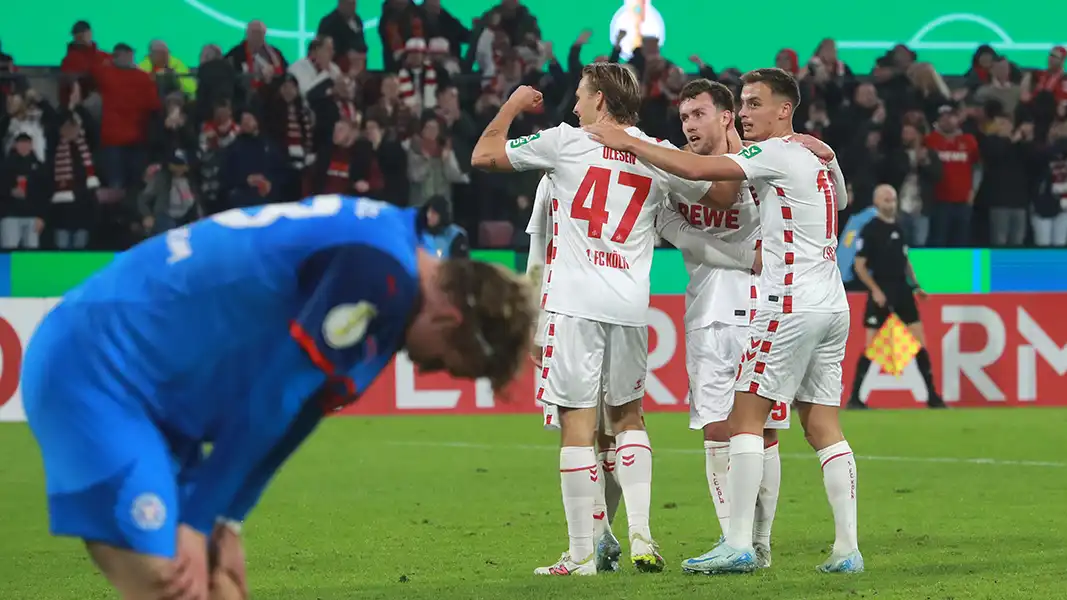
(110, 473)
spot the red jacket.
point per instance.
(129, 99)
(80, 59)
(959, 155)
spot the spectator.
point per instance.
(515, 19)
(174, 132)
(950, 216)
(24, 193)
(81, 59)
(329, 108)
(288, 124)
(130, 102)
(250, 168)
(74, 184)
(1050, 206)
(1051, 80)
(391, 158)
(432, 165)
(400, 22)
(170, 73)
(1000, 87)
(438, 53)
(917, 188)
(1006, 154)
(169, 200)
(419, 77)
(458, 125)
(439, 23)
(216, 82)
(30, 115)
(440, 235)
(317, 68)
(345, 28)
(347, 166)
(216, 134)
(929, 92)
(255, 58)
(981, 71)
(10, 80)
(390, 107)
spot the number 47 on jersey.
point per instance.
(594, 189)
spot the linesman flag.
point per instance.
(893, 346)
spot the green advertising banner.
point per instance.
(51, 274)
(945, 32)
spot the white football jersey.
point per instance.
(716, 294)
(603, 209)
(797, 199)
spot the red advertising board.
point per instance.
(987, 350)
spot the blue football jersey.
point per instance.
(223, 331)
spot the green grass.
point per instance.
(465, 507)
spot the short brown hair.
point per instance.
(780, 82)
(721, 96)
(498, 318)
(622, 93)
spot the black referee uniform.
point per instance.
(884, 248)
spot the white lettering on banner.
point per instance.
(666, 345)
(1040, 344)
(955, 362)
(483, 394)
(408, 397)
(910, 381)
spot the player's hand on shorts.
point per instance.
(229, 554)
(611, 136)
(879, 298)
(815, 145)
(536, 352)
(525, 98)
(189, 580)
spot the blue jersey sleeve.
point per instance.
(352, 308)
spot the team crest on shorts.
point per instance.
(148, 512)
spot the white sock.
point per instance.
(746, 473)
(767, 501)
(578, 474)
(716, 467)
(634, 452)
(612, 489)
(839, 477)
(600, 503)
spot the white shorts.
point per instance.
(795, 356)
(711, 358)
(585, 360)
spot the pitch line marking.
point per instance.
(792, 456)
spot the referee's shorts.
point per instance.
(902, 303)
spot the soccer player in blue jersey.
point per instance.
(241, 331)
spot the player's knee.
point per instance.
(133, 575)
(627, 417)
(717, 432)
(577, 426)
(822, 432)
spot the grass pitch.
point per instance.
(954, 505)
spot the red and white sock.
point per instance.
(767, 500)
(634, 469)
(601, 515)
(746, 474)
(716, 467)
(839, 477)
(579, 476)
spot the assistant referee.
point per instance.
(882, 265)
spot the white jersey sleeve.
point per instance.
(542, 200)
(760, 166)
(540, 150)
(539, 229)
(702, 246)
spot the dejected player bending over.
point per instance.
(597, 296)
(797, 339)
(241, 330)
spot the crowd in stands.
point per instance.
(135, 142)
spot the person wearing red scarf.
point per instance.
(347, 166)
(257, 59)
